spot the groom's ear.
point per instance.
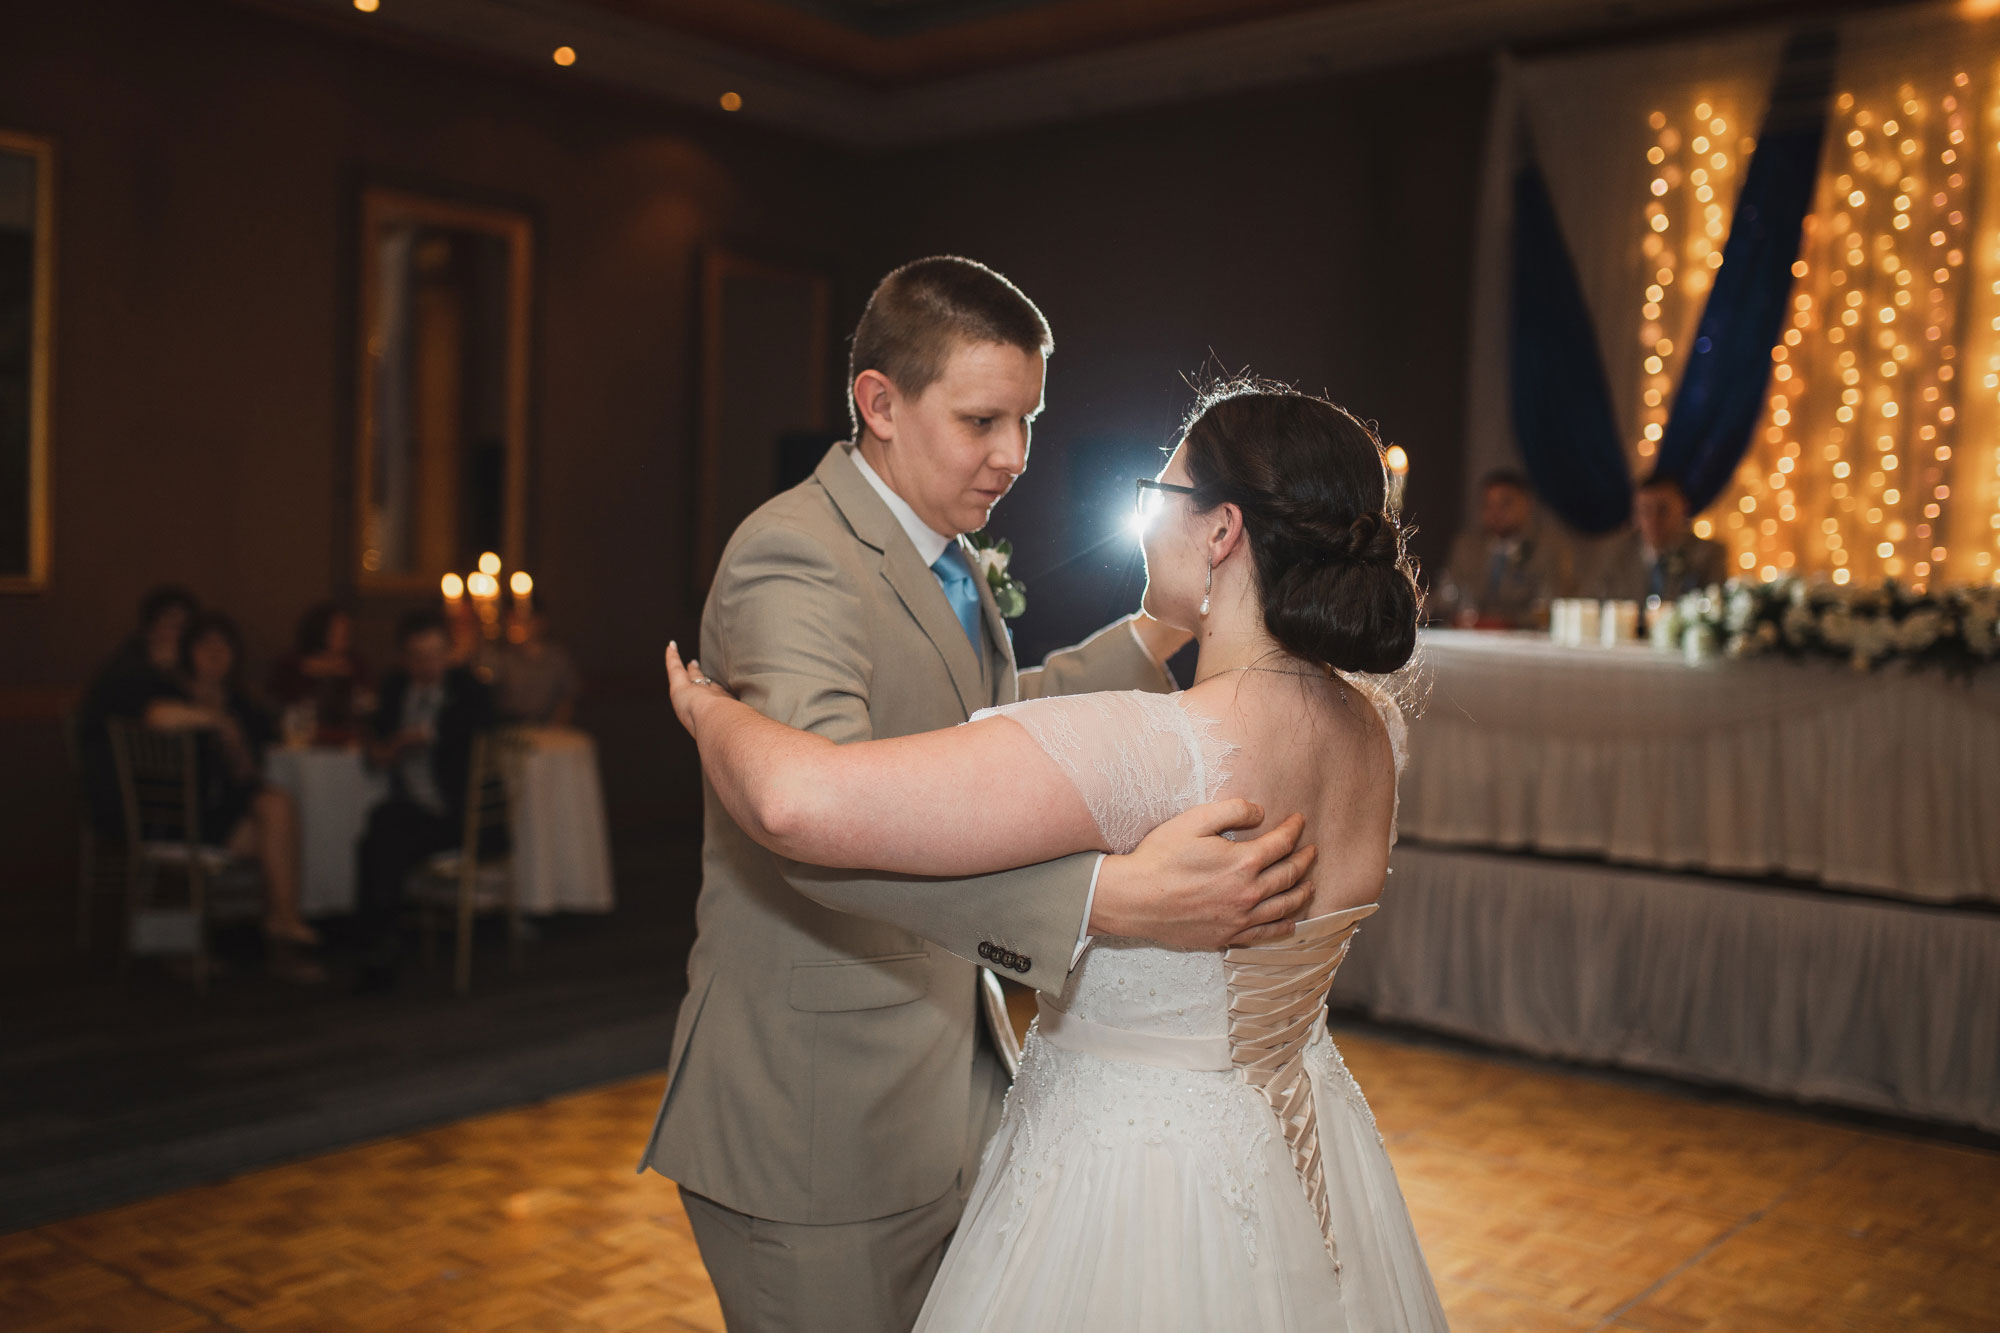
(875, 399)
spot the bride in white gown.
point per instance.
(1184, 1148)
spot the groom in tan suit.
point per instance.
(831, 1083)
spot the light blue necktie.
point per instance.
(960, 590)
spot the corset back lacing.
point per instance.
(1277, 995)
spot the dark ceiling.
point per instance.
(882, 72)
(900, 18)
(900, 43)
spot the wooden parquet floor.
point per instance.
(1545, 1200)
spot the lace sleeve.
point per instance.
(1390, 712)
(1376, 692)
(1137, 758)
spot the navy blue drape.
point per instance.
(1721, 394)
(1560, 400)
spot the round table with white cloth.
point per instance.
(562, 845)
(1885, 781)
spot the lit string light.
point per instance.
(1692, 191)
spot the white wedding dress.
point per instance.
(1184, 1148)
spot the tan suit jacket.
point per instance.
(1540, 568)
(1624, 573)
(823, 1066)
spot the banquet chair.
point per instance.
(460, 880)
(99, 856)
(158, 785)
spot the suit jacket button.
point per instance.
(1008, 958)
(985, 951)
(1023, 964)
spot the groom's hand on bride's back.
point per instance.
(1189, 887)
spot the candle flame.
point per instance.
(489, 563)
(521, 583)
(483, 585)
(453, 585)
(1398, 461)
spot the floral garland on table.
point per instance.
(1956, 629)
(992, 555)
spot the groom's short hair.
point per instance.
(922, 310)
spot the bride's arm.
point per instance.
(962, 801)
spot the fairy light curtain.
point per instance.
(1877, 454)
(1721, 391)
(1644, 151)
(1585, 114)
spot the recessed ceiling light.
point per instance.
(732, 101)
(565, 55)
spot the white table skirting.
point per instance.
(1886, 782)
(562, 845)
(1891, 1007)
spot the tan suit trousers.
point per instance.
(840, 1277)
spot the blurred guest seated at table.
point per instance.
(323, 673)
(534, 680)
(1659, 556)
(142, 669)
(1504, 573)
(237, 810)
(425, 718)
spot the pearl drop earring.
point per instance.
(1208, 587)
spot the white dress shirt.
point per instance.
(930, 545)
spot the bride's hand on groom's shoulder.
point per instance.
(1188, 887)
(689, 688)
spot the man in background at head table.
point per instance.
(1659, 555)
(1503, 573)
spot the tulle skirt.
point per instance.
(1123, 1196)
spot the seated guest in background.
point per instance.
(141, 670)
(425, 718)
(1659, 556)
(1503, 574)
(237, 810)
(323, 670)
(535, 680)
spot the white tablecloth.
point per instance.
(1886, 782)
(562, 846)
(334, 790)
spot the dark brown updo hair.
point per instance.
(1337, 584)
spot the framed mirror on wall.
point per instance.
(442, 436)
(764, 388)
(27, 280)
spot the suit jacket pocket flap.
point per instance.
(863, 983)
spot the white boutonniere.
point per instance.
(992, 555)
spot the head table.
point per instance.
(561, 847)
(1591, 836)
(1885, 782)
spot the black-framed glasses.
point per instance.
(1151, 496)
